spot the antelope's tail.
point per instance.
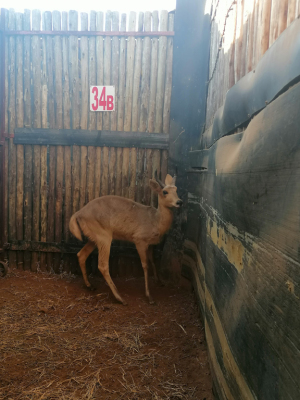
(74, 227)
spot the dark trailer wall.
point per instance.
(239, 174)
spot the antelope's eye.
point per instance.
(165, 192)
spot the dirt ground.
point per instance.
(60, 341)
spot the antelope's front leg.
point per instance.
(143, 253)
(151, 261)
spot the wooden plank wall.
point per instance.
(47, 86)
(251, 28)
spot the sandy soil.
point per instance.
(60, 341)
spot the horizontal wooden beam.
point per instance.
(68, 137)
(86, 33)
(65, 248)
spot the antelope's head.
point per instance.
(167, 192)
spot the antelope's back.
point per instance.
(123, 218)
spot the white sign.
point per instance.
(102, 98)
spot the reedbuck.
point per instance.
(113, 217)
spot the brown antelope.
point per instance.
(113, 217)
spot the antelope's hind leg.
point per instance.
(82, 256)
(103, 266)
(143, 253)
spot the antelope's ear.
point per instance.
(168, 180)
(155, 185)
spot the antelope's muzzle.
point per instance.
(179, 203)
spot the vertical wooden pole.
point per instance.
(58, 93)
(266, 16)
(137, 75)
(6, 39)
(74, 89)
(152, 98)
(75, 111)
(36, 77)
(100, 75)
(84, 107)
(106, 116)
(129, 186)
(255, 22)
(113, 115)
(161, 72)
(44, 155)
(92, 115)
(19, 123)
(65, 66)
(84, 121)
(12, 161)
(140, 171)
(137, 156)
(145, 79)
(92, 68)
(158, 62)
(250, 38)
(232, 55)
(114, 120)
(168, 85)
(67, 149)
(153, 74)
(167, 95)
(278, 22)
(258, 32)
(238, 40)
(144, 196)
(84, 72)
(4, 128)
(122, 74)
(283, 14)
(126, 191)
(52, 149)
(243, 52)
(28, 148)
(107, 64)
(292, 9)
(121, 105)
(129, 72)
(115, 69)
(100, 62)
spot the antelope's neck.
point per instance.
(165, 218)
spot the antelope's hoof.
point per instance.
(91, 288)
(124, 303)
(151, 301)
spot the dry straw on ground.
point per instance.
(58, 341)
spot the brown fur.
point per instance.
(113, 217)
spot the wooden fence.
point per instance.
(51, 59)
(242, 31)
